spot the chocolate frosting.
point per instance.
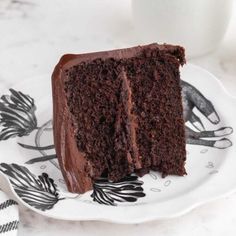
(132, 122)
(72, 161)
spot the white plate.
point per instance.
(211, 170)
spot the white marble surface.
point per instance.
(33, 36)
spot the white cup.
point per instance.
(197, 25)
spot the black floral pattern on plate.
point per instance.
(192, 98)
(39, 192)
(17, 118)
(39, 148)
(129, 189)
(17, 115)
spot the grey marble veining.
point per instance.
(205, 220)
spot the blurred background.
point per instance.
(34, 34)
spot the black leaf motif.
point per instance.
(49, 147)
(39, 192)
(129, 189)
(41, 159)
(17, 115)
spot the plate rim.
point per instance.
(138, 218)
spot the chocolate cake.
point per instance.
(118, 112)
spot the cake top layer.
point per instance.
(69, 60)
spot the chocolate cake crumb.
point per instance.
(118, 112)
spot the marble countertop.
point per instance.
(34, 34)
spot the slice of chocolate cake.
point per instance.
(118, 112)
